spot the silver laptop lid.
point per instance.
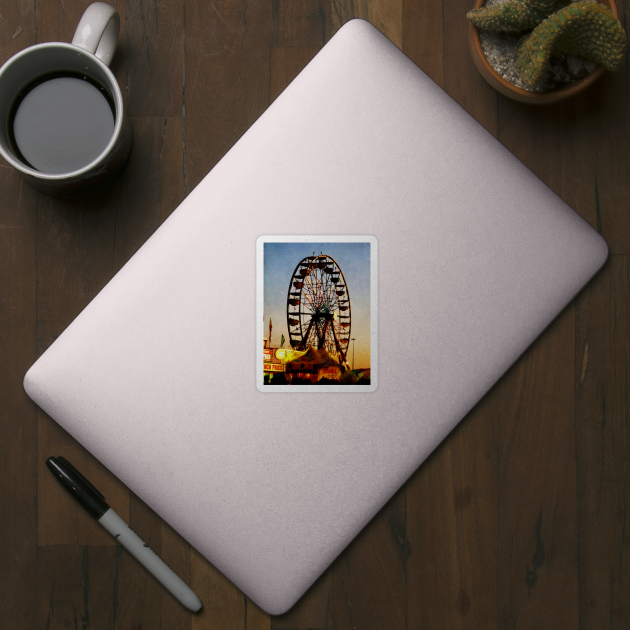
(470, 258)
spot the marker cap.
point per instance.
(78, 486)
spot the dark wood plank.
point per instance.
(608, 126)
(255, 618)
(76, 587)
(154, 57)
(603, 443)
(422, 36)
(57, 23)
(18, 415)
(572, 147)
(537, 537)
(171, 160)
(452, 527)
(303, 23)
(563, 147)
(74, 248)
(569, 146)
(18, 421)
(226, 78)
(558, 147)
(369, 577)
(608, 137)
(386, 15)
(17, 28)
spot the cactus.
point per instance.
(584, 29)
(513, 16)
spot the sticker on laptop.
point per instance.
(316, 313)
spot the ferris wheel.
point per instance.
(318, 307)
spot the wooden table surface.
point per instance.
(518, 520)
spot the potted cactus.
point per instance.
(558, 49)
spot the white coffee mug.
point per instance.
(47, 72)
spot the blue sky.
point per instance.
(281, 259)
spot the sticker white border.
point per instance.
(260, 300)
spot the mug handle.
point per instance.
(98, 30)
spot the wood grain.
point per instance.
(609, 134)
(17, 28)
(602, 380)
(369, 577)
(452, 515)
(18, 416)
(303, 23)
(154, 57)
(559, 148)
(76, 587)
(573, 149)
(537, 510)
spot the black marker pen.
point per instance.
(94, 502)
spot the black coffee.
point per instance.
(61, 123)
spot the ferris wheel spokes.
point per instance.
(317, 303)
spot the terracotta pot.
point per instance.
(518, 94)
